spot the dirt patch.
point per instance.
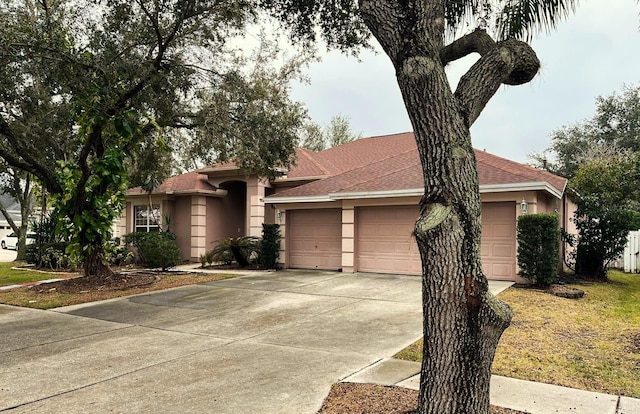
(355, 398)
(117, 281)
(634, 343)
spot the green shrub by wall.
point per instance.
(539, 247)
(270, 246)
(155, 249)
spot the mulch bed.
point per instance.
(355, 398)
(565, 292)
(117, 281)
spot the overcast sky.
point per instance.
(593, 53)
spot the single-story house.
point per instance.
(349, 208)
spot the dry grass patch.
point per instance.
(590, 343)
(52, 298)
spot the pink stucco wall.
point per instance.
(181, 225)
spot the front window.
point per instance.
(147, 218)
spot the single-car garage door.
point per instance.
(498, 245)
(384, 240)
(315, 239)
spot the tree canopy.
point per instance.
(615, 127)
(337, 132)
(93, 90)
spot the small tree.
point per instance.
(270, 246)
(607, 195)
(538, 247)
(602, 235)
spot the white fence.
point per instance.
(630, 259)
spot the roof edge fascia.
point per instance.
(409, 192)
(526, 186)
(298, 199)
(412, 192)
(214, 193)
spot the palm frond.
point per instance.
(459, 12)
(522, 19)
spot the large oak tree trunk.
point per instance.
(463, 321)
(95, 264)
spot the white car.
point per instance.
(10, 241)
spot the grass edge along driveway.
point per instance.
(591, 343)
(52, 299)
(11, 275)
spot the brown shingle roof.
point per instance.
(384, 163)
(191, 181)
(391, 162)
(306, 165)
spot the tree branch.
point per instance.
(511, 62)
(476, 42)
(24, 161)
(384, 18)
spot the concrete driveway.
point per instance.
(7, 255)
(264, 343)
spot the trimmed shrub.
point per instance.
(270, 246)
(155, 249)
(539, 247)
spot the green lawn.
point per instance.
(592, 343)
(9, 276)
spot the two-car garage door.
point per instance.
(384, 243)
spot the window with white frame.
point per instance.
(146, 218)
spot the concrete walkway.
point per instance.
(527, 396)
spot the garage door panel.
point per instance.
(503, 230)
(502, 251)
(384, 241)
(315, 239)
(497, 249)
(502, 271)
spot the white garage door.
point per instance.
(498, 246)
(385, 243)
(315, 239)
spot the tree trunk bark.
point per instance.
(463, 321)
(21, 247)
(95, 264)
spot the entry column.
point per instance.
(348, 239)
(198, 226)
